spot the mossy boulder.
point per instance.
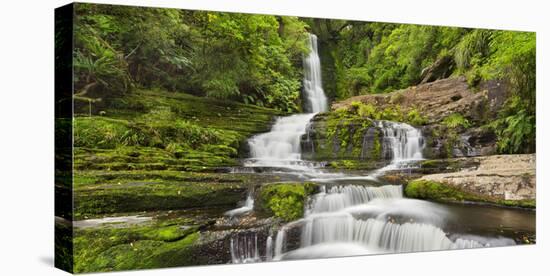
(99, 192)
(284, 200)
(441, 192)
(135, 247)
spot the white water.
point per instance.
(362, 220)
(340, 197)
(404, 141)
(269, 249)
(244, 249)
(246, 208)
(347, 219)
(313, 84)
(281, 146)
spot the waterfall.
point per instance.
(401, 141)
(281, 146)
(313, 84)
(269, 249)
(379, 235)
(340, 197)
(344, 219)
(279, 241)
(353, 220)
(244, 249)
(248, 206)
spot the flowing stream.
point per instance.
(346, 219)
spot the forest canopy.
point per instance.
(257, 59)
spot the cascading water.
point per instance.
(401, 141)
(340, 197)
(244, 249)
(281, 146)
(313, 84)
(247, 207)
(350, 220)
(345, 219)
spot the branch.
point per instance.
(85, 89)
(132, 52)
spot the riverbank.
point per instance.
(508, 180)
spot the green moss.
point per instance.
(354, 164)
(376, 152)
(134, 247)
(101, 192)
(285, 200)
(155, 130)
(436, 191)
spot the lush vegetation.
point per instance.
(363, 57)
(248, 58)
(256, 59)
(165, 99)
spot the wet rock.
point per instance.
(501, 179)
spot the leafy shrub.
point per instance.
(98, 132)
(415, 118)
(369, 111)
(159, 128)
(456, 120)
(516, 133)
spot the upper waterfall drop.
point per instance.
(313, 84)
(281, 146)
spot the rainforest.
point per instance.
(211, 138)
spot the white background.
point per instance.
(26, 133)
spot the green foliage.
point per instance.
(390, 113)
(415, 118)
(160, 130)
(96, 62)
(472, 49)
(286, 200)
(514, 60)
(368, 110)
(250, 58)
(456, 120)
(154, 130)
(381, 57)
(516, 133)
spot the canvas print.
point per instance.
(188, 138)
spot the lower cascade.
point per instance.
(340, 222)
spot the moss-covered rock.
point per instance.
(285, 200)
(135, 247)
(441, 192)
(342, 135)
(102, 192)
(156, 130)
